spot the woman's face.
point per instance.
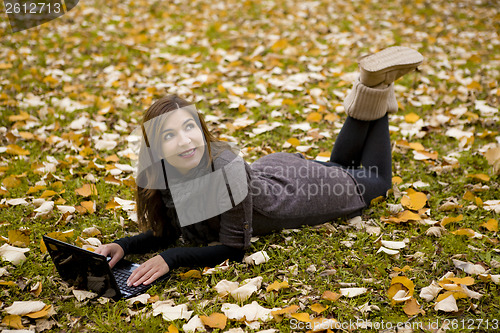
(182, 141)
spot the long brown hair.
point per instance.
(151, 211)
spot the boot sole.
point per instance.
(396, 57)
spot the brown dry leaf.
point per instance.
(16, 150)
(277, 286)
(318, 308)
(11, 182)
(331, 117)
(330, 296)
(414, 201)
(491, 225)
(448, 219)
(23, 115)
(412, 307)
(36, 188)
(13, 321)
(36, 289)
(469, 196)
(112, 204)
(215, 320)
(89, 206)
(20, 237)
(404, 216)
(303, 316)
(194, 274)
(86, 190)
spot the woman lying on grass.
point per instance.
(191, 185)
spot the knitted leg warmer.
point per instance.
(366, 103)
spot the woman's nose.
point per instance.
(183, 139)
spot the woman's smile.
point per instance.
(188, 153)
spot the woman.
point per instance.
(280, 190)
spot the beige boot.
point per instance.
(388, 65)
(373, 93)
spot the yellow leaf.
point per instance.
(62, 236)
(456, 295)
(479, 176)
(112, 204)
(417, 146)
(304, 317)
(404, 269)
(172, 329)
(469, 196)
(314, 117)
(215, 320)
(414, 201)
(36, 188)
(20, 237)
(412, 118)
(20, 117)
(412, 307)
(447, 220)
(405, 282)
(279, 45)
(464, 232)
(491, 225)
(277, 286)
(406, 216)
(11, 182)
(397, 180)
(48, 193)
(87, 190)
(289, 309)
(331, 117)
(16, 150)
(7, 283)
(242, 108)
(5, 65)
(468, 280)
(293, 141)
(39, 314)
(330, 296)
(195, 274)
(318, 308)
(13, 321)
(26, 135)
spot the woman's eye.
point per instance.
(168, 136)
(189, 126)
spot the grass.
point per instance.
(454, 41)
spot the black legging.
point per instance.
(363, 148)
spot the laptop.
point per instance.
(87, 270)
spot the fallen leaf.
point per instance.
(330, 296)
(86, 190)
(304, 317)
(448, 220)
(277, 286)
(491, 225)
(352, 292)
(13, 321)
(82, 295)
(257, 258)
(479, 176)
(22, 308)
(449, 304)
(249, 312)
(171, 313)
(19, 237)
(13, 254)
(318, 308)
(215, 320)
(412, 307)
(393, 245)
(414, 201)
(430, 292)
(468, 267)
(193, 325)
(195, 274)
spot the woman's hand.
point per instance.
(112, 250)
(148, 271)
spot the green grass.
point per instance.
(128, 35)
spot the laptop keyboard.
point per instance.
(121, 276)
